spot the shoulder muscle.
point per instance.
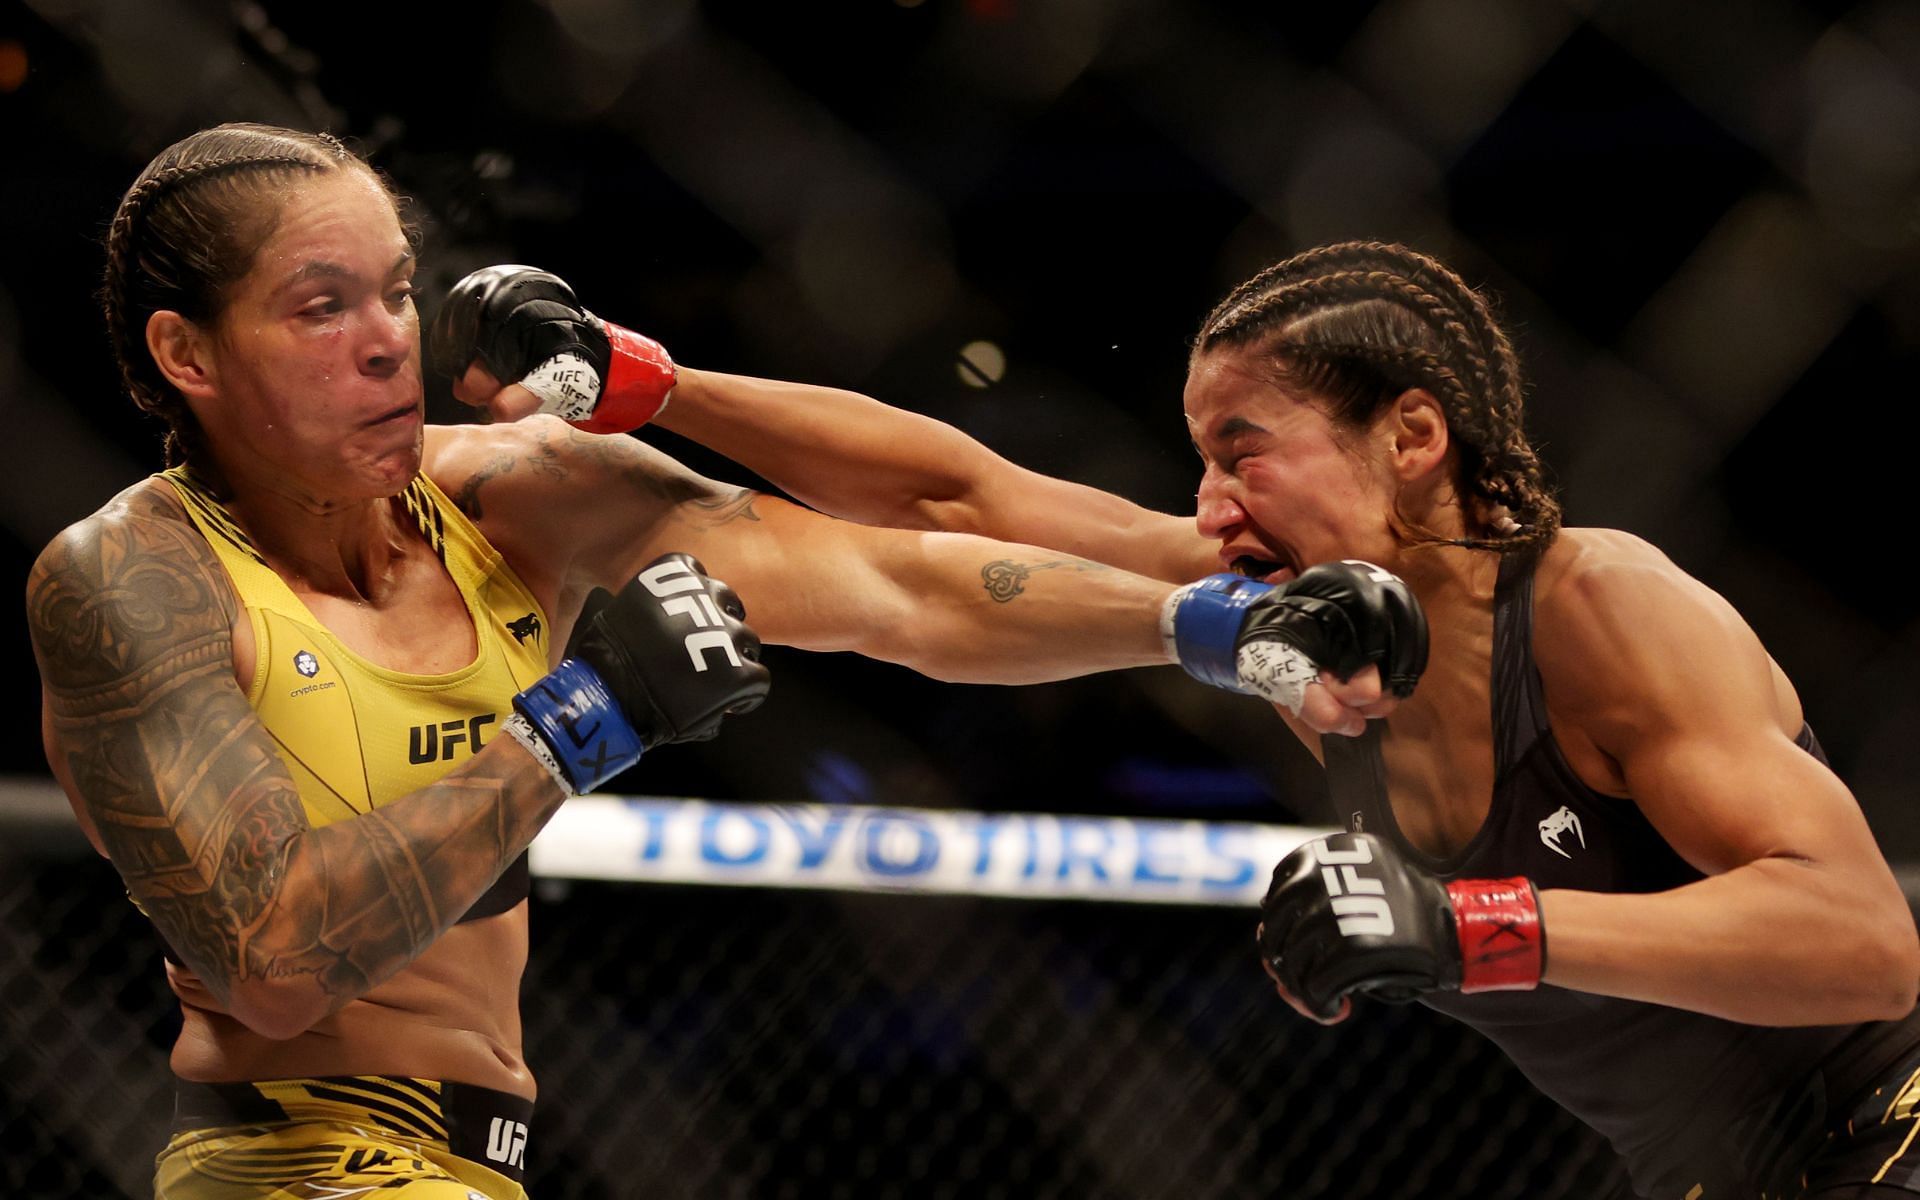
(1627, 642)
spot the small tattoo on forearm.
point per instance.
(1005, 578)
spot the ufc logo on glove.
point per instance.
(1358, 900)
(680, 592)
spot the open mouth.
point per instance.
(405, 410)
(1262, 569)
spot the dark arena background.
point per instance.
(1700, 219)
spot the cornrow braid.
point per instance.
(1358, 323)
(185, 232)
(1341, 256)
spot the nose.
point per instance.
(389, 339)
(1218, 514)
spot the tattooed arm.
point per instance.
(591, 510)
(131, 617)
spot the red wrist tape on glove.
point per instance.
(640, 378)
(1502, 946)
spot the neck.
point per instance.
(346, 547)
(1446, 577)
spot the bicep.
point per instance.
(1726, 797)
(154, 738)
(806, 580)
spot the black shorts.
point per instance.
(1874, 1151)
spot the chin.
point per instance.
(389, 474)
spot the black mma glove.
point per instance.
(1349, 913)
(525, 326)
(1273, 641)
(665, 660)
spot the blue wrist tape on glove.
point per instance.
(578, 718)
(1206, 625)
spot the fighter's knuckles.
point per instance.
(1323, 713)
(1358, 690)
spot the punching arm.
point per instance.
(515, 340)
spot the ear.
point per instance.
(183, 352)
(1420, 437)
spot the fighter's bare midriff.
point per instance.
(452, 1014)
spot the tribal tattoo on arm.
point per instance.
(585, 463)
(131, 618)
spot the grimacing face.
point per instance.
(1281, 489)
(314, 364)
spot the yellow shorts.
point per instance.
(304, 1139)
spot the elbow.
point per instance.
(952, 510)
(1894, 1000)
(925, 643)
(1883, 971)
(964, 663)
(1899, 976)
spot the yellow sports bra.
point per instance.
(355, 734)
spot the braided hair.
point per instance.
(185, 232)
(1358, 323)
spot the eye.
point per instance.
(401, 295)
(321, 306)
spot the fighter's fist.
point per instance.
(1340, 617)
(1350, 913)
(524, 326)
(664, 660)
(674, 649)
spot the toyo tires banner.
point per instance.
(1028, 855)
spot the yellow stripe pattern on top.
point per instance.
(353, 733)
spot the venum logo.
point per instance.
(1358, 901)
(525, 627)
(305, 663)
(507, 1142)
(1564, 821)
(668, 581)
(437, 742)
